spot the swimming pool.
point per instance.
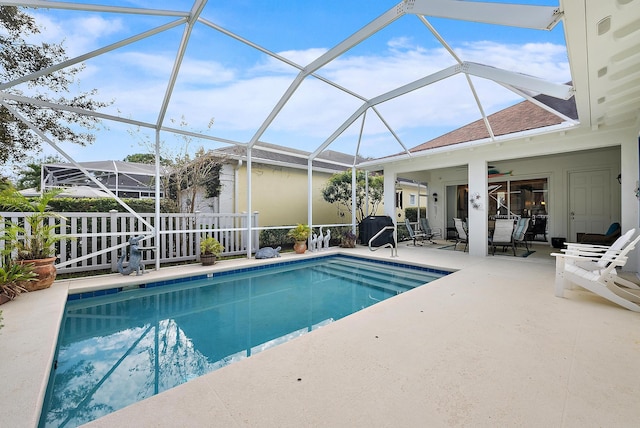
(124, 346)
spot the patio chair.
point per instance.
(416, 236)
(502, 235)
(520, 232)
(607, 238)
(429, 231)
(594, 268)
(600, 256)
(538, 227)
(461, 237)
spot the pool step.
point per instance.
(417, 275)
(404, 277)
(365, 282)
(352, 276)
(380, 279)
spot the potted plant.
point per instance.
(348, 239)
(300, 234)
(33, 241)
(210, 249)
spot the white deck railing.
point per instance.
(97, 239)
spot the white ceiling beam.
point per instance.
(518, 80)
(94, 53)
(530, 98)
(196, 10)
(425, 81)
(276, 56)
(141, 124)
(371, 28)
(417, 84)
(93, 8)
(512, 15)
(357, 37)
(405, 148)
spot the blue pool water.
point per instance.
(122, 347)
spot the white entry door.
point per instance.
(589, 202)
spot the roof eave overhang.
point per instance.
(380, 163)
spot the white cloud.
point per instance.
(80, 35)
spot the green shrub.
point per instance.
(104, 205)
(412, 213)
(273, 238)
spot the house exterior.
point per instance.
(279, 185)
(589, 160)
(584, 178)
(287, 173)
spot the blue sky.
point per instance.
(234, 87)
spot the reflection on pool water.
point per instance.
(123, 347)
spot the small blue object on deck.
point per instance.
(268, 253)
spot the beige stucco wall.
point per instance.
(280, 196)
(408, 190)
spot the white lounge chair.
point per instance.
(462, 234)
(520, 232)
(416, 236)
(593, 267)
(502, 235)
(431, 232)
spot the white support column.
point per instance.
(354, 195)
(478, 222)
(249, 230)
(366, 192)
(310, 198)
(390, 194)
(629, 182)
(156, 231)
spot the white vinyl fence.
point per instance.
(106, 235)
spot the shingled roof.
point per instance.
(520, 117)
(296, 158)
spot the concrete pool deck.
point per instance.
(489, 345)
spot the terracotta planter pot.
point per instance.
(207, 259)
(45, 270)
(300, 247)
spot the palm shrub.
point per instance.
(300, 233)
(12, 275)
(210, 245)
(36, 237)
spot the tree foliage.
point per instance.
(338, 191)
(20, 57)
(29, 174)
(147, 158)
(190, 175)
(186, 174)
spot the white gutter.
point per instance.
(468, 144)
